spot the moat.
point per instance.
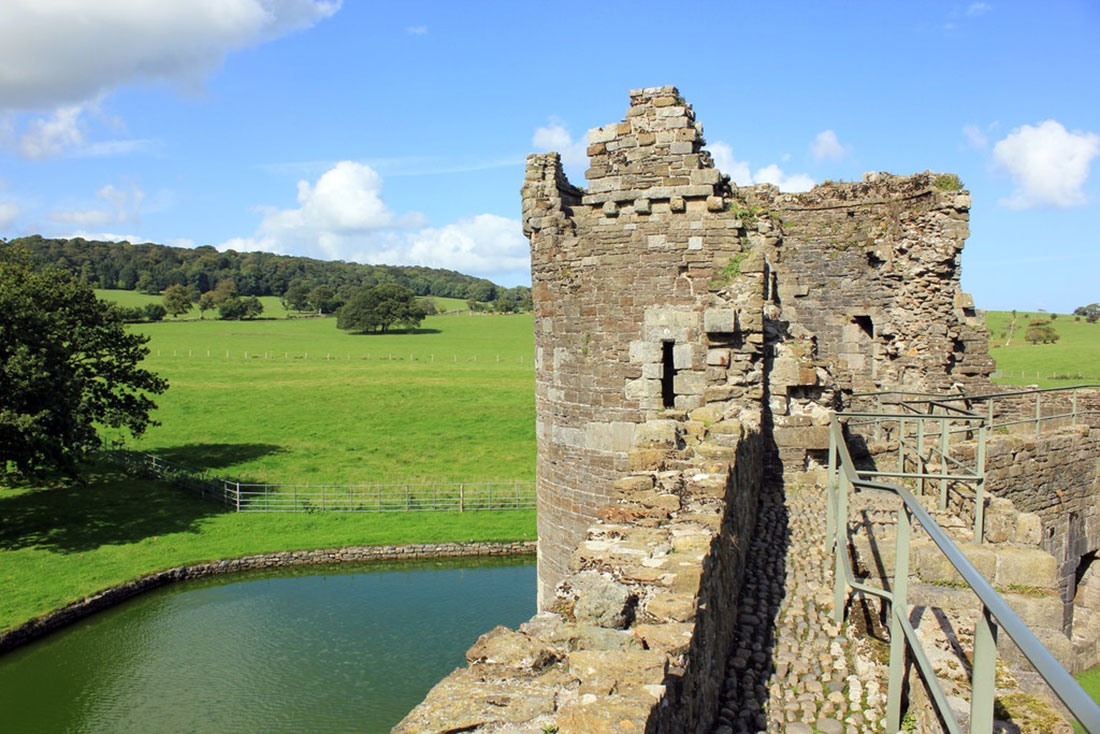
(319, 649)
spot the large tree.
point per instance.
(177, 300)
(379, 308)
(68, 367)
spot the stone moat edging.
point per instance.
(77, 610)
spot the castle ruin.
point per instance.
(691, 339)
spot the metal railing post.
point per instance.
(979, 489)
(1038, 413)
(1074, 396)
(983, 672)
(898, 606)
(830, 490)
(944, 437)
(901, 444)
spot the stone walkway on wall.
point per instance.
(791, 671)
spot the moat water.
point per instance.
(321, 649)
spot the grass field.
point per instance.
(64, 542)
(299, 401)
(1073, 359)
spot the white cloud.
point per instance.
(740, 173)
(555, 137)
(975, 138)
(417, 30)
(826, 147)
(123, 205)
(343, 216)
(975, 9)
(1048, 164)
(479, 245)
(49, 136)
(9, 212)
(793, 182)
(724, 161)
(68, 51)
(105, 236)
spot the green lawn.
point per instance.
(63, 542)
(1073, 359)
(299, 401)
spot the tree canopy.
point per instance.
(379, 308)
(68, 367)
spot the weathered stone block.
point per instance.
(1026, 567)
(645, 351)
(808, 437)
(601, 601)
(704, 176)
(688, 383)
(657, 431)
(719, 320)
(641, 206)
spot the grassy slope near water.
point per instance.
(63, 542)
(1073, 359)
(299, 401)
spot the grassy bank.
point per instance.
(300, 401)
(62, 542)
(1073, 359)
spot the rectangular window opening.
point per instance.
(668, 396)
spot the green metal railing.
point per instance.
(995, 614)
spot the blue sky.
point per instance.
(397, 132)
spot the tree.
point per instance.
(207, 301)
(236, 308)
(1041, 332)
(296, 297)
(154, 312)
(68, 367)
(321, 298)
(177, 300)
(379, 308)
(1091, 312)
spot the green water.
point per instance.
(328, 649)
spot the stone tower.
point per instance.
(668, 301)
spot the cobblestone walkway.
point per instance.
(791, 671)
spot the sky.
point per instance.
(396, 132)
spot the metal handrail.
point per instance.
(995, 612)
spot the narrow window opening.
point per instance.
(668, 397)
(865, 323)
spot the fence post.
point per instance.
(238, 496)
(983, 672)
(979, 492)
(898, 605)
(944, 438)
(461, 497)
(322, 498)
(1038, 413)
(406, 498)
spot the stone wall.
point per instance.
(77, 610)
(639, 632)
(663, 290)
(1055, 476)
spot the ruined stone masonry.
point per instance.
(691, 338)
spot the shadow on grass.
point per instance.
(392, 332)
(210, 456)
(108, 509)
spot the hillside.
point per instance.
(151, 268)
(1073, 359)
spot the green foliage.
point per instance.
(1091, 312)
(123, 265)
(67, 367)
(235, 308)
(153, 312)
(177, 300)
(379, 308)
(1041, 332)
(730, 271)
(206, 303)
(323, 299)
(296, 298)
(63, 541)
(947, 182)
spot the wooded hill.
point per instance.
(151, 268)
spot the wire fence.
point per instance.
(1028, 374)
(403, 497)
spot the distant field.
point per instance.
(273, 307)
(1073, 359)
(299, 401)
